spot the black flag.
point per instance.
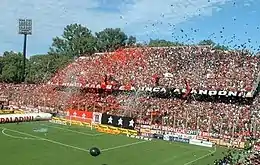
(118, 121)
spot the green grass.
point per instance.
(68, 145)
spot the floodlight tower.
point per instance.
(25, 28)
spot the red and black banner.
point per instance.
(118, 121)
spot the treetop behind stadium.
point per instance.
(161, 90)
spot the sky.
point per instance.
(229, 22)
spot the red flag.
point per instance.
(188, 89)
(156, 79)
(128, 86)
(103, 85)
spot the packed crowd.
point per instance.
(249, 156)
(204, 67)
(242, 157)
(201, 67)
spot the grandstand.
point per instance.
(205, 69)
(193, 90)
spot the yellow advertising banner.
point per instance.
(6, 111)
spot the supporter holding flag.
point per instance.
(104, 82)
(188, 89)
(156, 79)
(128, 86)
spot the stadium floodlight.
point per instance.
(25, 28)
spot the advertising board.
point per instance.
(200, 143)
(175, 138)
(14, 118)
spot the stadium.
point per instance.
(162, 103)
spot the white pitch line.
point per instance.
(70, 146)
(48, 140)
(122, 146)
(204, 156)
(78, 132)
(17, 137)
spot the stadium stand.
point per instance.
(188, 67)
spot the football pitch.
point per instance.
(28, 144)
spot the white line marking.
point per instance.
(78, 132)
(48, 140)
(168, 160)
(202, 157)
(122, 146)
(70, 146)
(174, 157)
(17, 137)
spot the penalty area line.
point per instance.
(123, 146)
(70, 146)
(202, 157)
(48, 140)
(17, 137)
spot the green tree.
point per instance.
(1, 65)
(42, 67)
(76, 40)
(11, 67)
(111, 39)
(207, 42)
(213, 44)
(221, 47)
(162, 43)
(131, 41)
